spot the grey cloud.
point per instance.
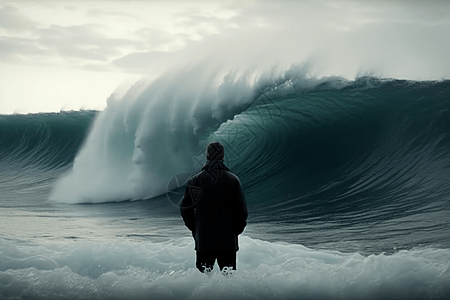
(98, 12)
(154, 38)
(429, 11)
(12, 19)
(97, 67)
(70, 8)
(13, 48)
(86, 42)
(200, 21)
(338, 35)
(194, 19)
(82, 41)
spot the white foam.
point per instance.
(132, 270)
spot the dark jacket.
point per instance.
(214, 208)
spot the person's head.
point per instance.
(215, 152)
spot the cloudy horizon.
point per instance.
(73, 55)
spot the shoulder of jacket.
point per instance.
(233, 176)
(194, 177)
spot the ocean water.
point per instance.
(347, 186)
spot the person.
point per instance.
(214, 209)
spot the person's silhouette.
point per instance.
(214, 209)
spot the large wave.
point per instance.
(313, 155)
(288, 136)
(373, 147)
(144, 138)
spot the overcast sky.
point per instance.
(58, 55)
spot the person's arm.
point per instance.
(241, 209)
(187, 209)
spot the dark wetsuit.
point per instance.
(214, 209)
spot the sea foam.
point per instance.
(145, 270)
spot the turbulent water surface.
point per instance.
(347, 185)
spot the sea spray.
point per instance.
(143, 139)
